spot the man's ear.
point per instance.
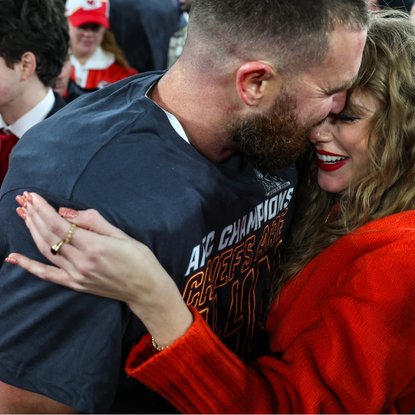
(27, 65)
(252, 81)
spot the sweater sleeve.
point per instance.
(357, 357)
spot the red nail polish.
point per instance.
(21, 212)
(28, 197)
(20, 200)
(68, 213)
(11, 260)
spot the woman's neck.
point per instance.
(82, 59)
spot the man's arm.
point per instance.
(18, 401)
(54, 342)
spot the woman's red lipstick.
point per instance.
(326, 165)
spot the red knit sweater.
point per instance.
(341, 339)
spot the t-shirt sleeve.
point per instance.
(54, 341)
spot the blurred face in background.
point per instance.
(373, 5)
(63, 79)
(85, 39)
(185, 5)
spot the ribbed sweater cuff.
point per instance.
(191, 362)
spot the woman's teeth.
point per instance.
(330, 159)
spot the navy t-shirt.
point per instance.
(216, 228)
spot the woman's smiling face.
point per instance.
(85, 39)
(341, 143)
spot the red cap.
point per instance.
(88, 11)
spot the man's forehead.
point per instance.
(337, 72)
(340, 87)
(339, 69)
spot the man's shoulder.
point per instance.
(67, 142)
(98, 115)
(118, 94)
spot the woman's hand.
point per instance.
(104, 261)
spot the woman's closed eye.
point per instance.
(347, 117)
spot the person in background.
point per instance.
(401, 5)
(185, 5)
(198, 164)
(178, 39)
(62, 81)
(373, 5)
(66, 87)
(341, 326)
(143, 30)
(96, 59)
(33, 46)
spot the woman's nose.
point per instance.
(319, 133)
(314, 134)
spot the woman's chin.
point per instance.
(331, 185)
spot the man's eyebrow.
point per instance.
(341, 88)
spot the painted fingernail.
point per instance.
(21, 212)
(68, 213)
(28, 197)
(20, 200)
(11, 260)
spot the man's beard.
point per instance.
(274, 140)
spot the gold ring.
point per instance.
(55, 248)
(69, 236)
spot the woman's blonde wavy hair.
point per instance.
(387, 186)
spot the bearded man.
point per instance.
(197, 163)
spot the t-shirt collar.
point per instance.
(175, 123)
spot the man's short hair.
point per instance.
(296, 32)
(37, 26)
